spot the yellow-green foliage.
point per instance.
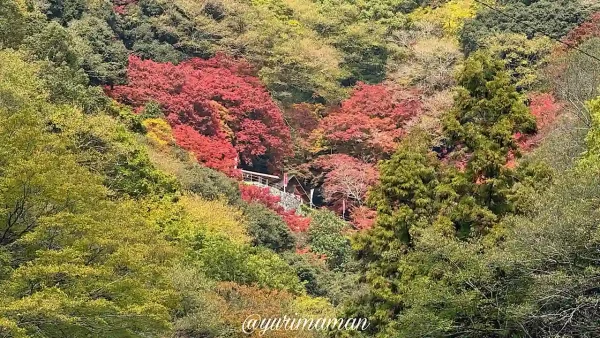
(303, 50)
(79, 257)
(193, 177)
(432, 64)
(159, 132)
(167, 162)
(98, 138)
(591, 158)
(314, 307)
(84, 260)
(214, 217)
(450, 16)
(12, 22)
(294, 61)
(293, 57)
(523, 57)
(105, 146)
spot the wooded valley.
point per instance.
(447, 154)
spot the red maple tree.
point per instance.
(218, 98)
(370, 123)
(215, 153)
(346, 179)
(294, 222)
(254, 194)
(363, 218)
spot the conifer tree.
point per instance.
(487, 113)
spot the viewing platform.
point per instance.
(290, 199)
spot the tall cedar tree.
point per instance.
(419, 195)
(408, 200)
(403, 198)
(487, 113)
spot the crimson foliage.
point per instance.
(254, 194)
(220, 100)
(214, 153)
(370, 123)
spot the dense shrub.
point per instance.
(267, 228)
(224, 260)
(326, 237)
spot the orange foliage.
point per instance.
(363, 218)
(545, 109)
(243, 301)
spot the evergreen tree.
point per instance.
(487, 113)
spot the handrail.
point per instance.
(248, 172)
(250, 178)
(263, 182)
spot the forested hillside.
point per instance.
(453, 147)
